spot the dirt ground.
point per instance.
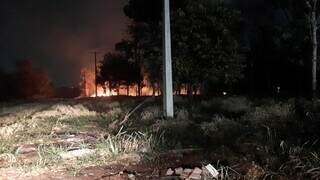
(109, 138)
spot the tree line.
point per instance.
(201, 58)
(218, 46)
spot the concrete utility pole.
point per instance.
(95, 72)
(167, 65)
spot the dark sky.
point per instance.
(58, 35)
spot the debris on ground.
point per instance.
(169, 172)
(193, 174)
(77, 153)
(26, 149)
(213, 172)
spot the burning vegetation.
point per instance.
(109, 88)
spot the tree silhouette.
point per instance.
(32, 83)
(117, 70)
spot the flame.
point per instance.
(102, 93)
(145, 91)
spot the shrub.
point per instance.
(221, 129)
(270, 115)
(150, 113)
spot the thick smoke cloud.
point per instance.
(58, 35)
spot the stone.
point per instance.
(26, 149)
(187, 170)
(185, 174)
(178, 171)
(195, 177)
(196, 174)
(197, 170)
(169, 172)
(131, 176)
(76, 153)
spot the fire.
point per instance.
(103, 92)
(88, 87)
(123, 90)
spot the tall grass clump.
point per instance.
(270, 115)
(124, 142)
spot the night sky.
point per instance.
(58, 35)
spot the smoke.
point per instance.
(59, 35)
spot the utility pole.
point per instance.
(167, 64)
(95, 72)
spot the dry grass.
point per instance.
(60, 127)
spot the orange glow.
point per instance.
(88, 88)
(101, 92)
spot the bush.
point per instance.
(151, 113)
(270, 115)
(221, 129)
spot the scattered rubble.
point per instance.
(193, 174)
(196, 174)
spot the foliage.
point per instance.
(26, 82)
(118, 70)
(205, 45)
(205, 49)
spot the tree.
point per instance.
(144, 48)
(32, 83)
(205, 44)
(204, 41)
(117, 70)
(306, 11)
(133, 53)
(312, 19)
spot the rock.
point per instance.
(26, 149)
(195, 177)
(187, 170)
(196, 174)
(131, 176)
(197, 170)
(76, 153)
(169, 172)
(178, 171)
(185, 174)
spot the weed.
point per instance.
(123, 142)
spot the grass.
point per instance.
(124, 142)
(41, 130)
(269, 133)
